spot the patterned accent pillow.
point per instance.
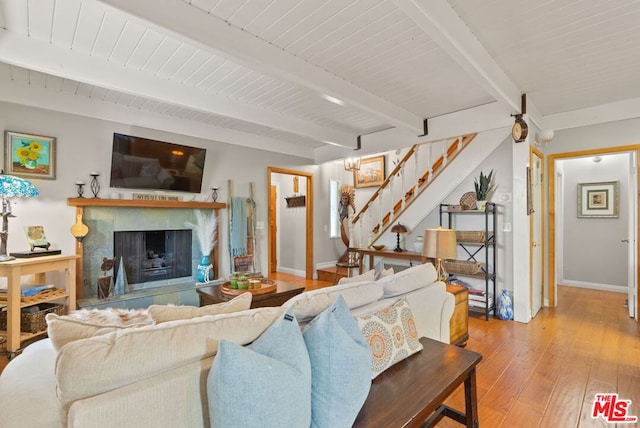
(392, 335)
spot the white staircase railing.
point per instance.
(411, 176)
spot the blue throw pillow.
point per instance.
(266, 383)
(340, 367)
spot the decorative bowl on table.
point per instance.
(378, 247)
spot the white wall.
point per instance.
(84, 145)
(593, 252)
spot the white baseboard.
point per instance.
(292, 271)
(593, 286)
(326, 265)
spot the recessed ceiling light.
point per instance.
(332, 99)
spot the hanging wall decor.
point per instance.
(598, 199)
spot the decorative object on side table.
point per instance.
(11, 187)
(214, 194)
(205, 228)
(30, 156)
(483, 186)
(95, 184)
(398, 229)
(440, 244)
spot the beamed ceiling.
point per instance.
(307, 77)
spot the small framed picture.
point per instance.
(30, 156)
(598, 199)
(371, 172)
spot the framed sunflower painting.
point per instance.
(30, 156)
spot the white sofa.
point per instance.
(156, 375)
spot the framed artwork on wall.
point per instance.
(30, 156)
(371, 172)
(598, 199)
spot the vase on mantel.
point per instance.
(203, 270)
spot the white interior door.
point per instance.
(536, 219)
(633, 227)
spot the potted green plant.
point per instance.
(483, 186)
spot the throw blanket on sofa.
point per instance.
(238, 227)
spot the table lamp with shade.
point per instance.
(440, 244)
(399, 229)
(11, 187)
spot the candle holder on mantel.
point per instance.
(214, 194)
(80, 185)
(95, 185)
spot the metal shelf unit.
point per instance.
(482, 251)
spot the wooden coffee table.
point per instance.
(212, 294)
(411, 393)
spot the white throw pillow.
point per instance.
(367, 276)
(308, 305)
(164, 313)
(408, 280)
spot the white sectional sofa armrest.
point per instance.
(432, 309)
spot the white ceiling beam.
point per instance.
(611, 112)
(67, 102)
(212, 34)
(445, 27)
(47, 58)
(484, 118)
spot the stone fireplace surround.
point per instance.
(106, 216)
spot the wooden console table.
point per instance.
(372, 253)
(424, 380)
(13, 270)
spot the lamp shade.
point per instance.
(399, 228)
(12, 187)
(440, 244)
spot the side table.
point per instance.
(13, 270)
(459, 323)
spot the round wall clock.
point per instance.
(519, 130)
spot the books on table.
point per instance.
(29, 290)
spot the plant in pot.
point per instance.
(483, 186)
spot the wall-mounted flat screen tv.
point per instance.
(141, 163)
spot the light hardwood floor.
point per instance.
(545, 373)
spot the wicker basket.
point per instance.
(463, 267)
(470, 235)
(33, 322)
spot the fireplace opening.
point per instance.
(153, 255)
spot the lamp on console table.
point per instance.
(440, 244)
(398, 229)
(11, 187)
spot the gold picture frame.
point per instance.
(371, 172)
(598, 199)
(30, 156)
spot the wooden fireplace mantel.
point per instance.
(81, 203)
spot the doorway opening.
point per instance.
(616, 234)
(276, 204)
